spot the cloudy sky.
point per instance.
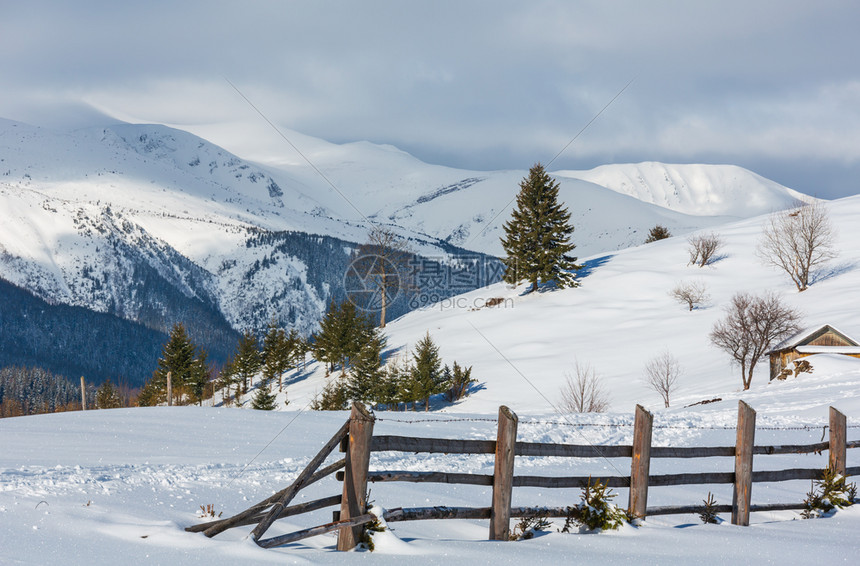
(771, 86)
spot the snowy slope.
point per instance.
(622, 316)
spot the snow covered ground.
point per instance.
(102, 487)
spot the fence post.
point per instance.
(83, 394)
(641, 463)
(169, 389)
(838, 425)
(503, 475)
(743, 465)
(354, 498)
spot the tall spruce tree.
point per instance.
(179, 358)
(366, 375)
(537, 237)
(342, 333)
(428, 378)
(277, 353)
(247, 360)
(199, 376)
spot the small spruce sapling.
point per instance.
(595, 511)
(708, 514)
(527, 527)
(829, 493)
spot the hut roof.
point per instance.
(801, 339)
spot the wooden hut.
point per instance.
(817, 340)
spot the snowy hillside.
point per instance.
(622, 316)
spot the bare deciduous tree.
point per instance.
(703, 248)
(752, 325)
(661, 374)
(798, 241)
(379, 271)
(583, 392)
(691, 293)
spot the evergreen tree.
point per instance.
(427, 376)
(342, 333)
(178, 358)
(264, 399)
(226, 378)
(366, 374)
(334, 397)
(457, 382)
(199, 377)
(658, 232)
(247, 360)
(107, 396)
(277, 353)
(537, 237)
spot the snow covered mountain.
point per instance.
(155, 225)
(709, 190)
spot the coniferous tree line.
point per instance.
(348, 340)
(34, 390)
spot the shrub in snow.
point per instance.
(528, 526)
(595, 511)
(583, 392)
(703, 248)
(658, 232)
(829, 493)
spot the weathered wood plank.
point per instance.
(439, 512)
(640, 463)
(692, 451)
(457, 446)
(503, 474)
(742, 493)
(233, 521)
(287, 512)
(430, 477)
(838, 425)
(281, 540)
(300, 482)
(384, 443)
(354, 499)
(572, 450)
(568, 482)
(792, 448)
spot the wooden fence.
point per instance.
(357, 440)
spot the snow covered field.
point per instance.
(120, 485)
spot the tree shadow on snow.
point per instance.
(589, 266)
(587, 269)
(831, 271)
